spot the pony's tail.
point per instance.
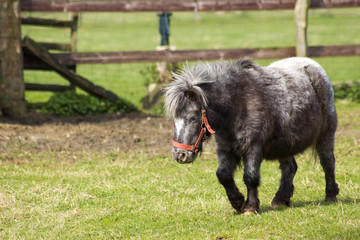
(321, 84)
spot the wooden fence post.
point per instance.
(12, 96)
(74, 17)
(301, 20)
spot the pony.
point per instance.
(255, 113)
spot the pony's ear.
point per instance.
(191, 95)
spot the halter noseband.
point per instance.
(204, 125)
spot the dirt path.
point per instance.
(38, 133)
(109, 132)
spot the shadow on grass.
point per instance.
(303, 204)
(36, 119)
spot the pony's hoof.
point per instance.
(331, 199)
(276, 205)
(249, 212)
(280, 203)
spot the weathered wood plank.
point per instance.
(41, 53)
(73, 36)
(56, 46)
(71, 59)
(46, 22)
(334, 3)
(332, 51)
(171, 6)
(47, 87)
(32, 63)
(172, 56)
(74, 31)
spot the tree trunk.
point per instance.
(12, 96)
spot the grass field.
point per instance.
(139, 31)
(142, 194)
(147, 195)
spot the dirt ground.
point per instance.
(37, 133)
(111, 132)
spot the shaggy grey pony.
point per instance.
(257, 113)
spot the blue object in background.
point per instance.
(164, 27)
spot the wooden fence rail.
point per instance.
(71, 59)
(72, 25)
(41, 53)
(162, 6)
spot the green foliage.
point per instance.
(70, 103)
(153, 101)
(348, 91)
(152, 75)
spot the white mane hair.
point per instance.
(190, 79)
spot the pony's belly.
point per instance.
(295, 135)
(286, 147)
(283, 150)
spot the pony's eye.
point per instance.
(193, 119)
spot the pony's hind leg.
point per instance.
(288, 169)
(325, 142)
(225, 174)
(325, 150)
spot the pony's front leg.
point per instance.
(252, 163)
(225, 174)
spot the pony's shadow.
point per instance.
(303, 204)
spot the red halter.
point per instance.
(204, 125)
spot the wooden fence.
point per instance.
(300, 49)
(166, 6)
(12, 92)
(30, 61)
(186, 55)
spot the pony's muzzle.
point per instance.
(183, 156)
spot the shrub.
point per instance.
(348, 91)
(70, 103)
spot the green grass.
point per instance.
(139, 31)
(139, 195)
(143, 196)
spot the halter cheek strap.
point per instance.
(204, 125)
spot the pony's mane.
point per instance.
(192, 78)
(189, 79)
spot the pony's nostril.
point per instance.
(182, 157)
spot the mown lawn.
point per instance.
(147, 195)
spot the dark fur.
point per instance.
(258, 113)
